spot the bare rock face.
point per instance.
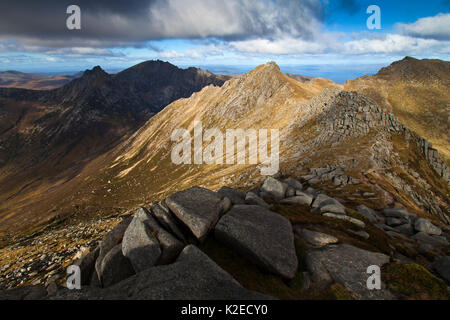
(368, 213)
(252, 198)
(113, 238)
(301, 198)
(317, 239)
(87, 266)
(276, 189)
(295, 184)
(236, 196)
(193, 276)
(198, 208)
(140, 246)
(261, 236)
(115, 267)
(167, 220)
(347, 265)
(355, 221)
(424, 225)
(169, 244)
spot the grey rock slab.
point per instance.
(236, 196)
(433, 240)
(317, 239)
(253, 199)
(225, 205)
(400, 213)
(87, 266)
(319, 199)
(424, 225)
(193, 276)
(115, 267)
(290, 192)
(167, 220)
(357, 222)
(406, 229)
(198, 208)
(442, 267)
(368, 213)
(360, 233)
(301, 199)
(261, 236)
(110, 240)
(347, 265)
(333, 208)
(295, 184)
(170, 246)
(276, 189)
(140, 245)
(394, 222)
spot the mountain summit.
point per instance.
(416, 91)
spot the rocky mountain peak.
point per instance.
(411, 69)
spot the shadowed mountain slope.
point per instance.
(47, 137)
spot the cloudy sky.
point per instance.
(309, 36)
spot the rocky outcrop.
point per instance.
(262, 236)
(141, 258)
(347, 265)
(197, 208)
(317, 239)
(140, 246)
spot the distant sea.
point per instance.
(337, 73)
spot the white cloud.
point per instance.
(437, 27)
(333, 44)
(397, 44)
(172, 54)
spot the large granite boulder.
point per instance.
(115, 267)
(317, 239)
(236, 196)
(347, 265)
(274, 188)
(170, 246)
(110, 240)
(293, 183)
(300, 198)
(140, 245)
(368, 213)
(261, 236)
(87, 266)
(424, 225)
(198, 208)
(193, 276)
(252, 198)
(167, 220)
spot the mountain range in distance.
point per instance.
(50, 137)
(99, 147)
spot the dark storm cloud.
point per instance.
(131, 22)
